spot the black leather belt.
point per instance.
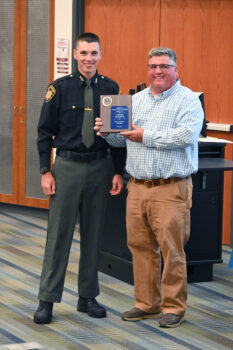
(156, 182)
(82, 157)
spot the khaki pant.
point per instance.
(158, 220)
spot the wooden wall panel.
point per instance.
(127, 30)
(200, 31)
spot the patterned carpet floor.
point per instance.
(208, 322)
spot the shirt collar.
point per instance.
(82, 79)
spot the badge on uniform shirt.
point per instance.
(50, 93)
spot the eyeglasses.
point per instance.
(162, 67)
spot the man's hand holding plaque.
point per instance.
(115, 113)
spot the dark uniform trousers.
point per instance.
(80, 187)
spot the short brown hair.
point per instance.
(88, 37)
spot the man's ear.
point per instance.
(75, 54)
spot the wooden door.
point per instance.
(200, 31)
(127, 30)
(27, 41)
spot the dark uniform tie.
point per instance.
(87, 127)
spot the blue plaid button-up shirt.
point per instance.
(172, 122)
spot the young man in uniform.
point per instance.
(79, 181)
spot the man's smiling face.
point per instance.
(159, 78)
(87, 55)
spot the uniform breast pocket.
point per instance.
(71, 115)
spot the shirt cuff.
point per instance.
(45, 160)
(148, 138)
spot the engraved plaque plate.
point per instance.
(116, 113)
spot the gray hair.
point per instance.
(163, 51)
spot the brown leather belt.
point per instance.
(156, 182)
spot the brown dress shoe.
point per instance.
(170, 320)
(136, 314)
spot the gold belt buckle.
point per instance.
(149, 182)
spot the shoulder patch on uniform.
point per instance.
(50, 93)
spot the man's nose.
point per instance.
(158, 69)
(89, 56)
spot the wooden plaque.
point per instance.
(116, 113)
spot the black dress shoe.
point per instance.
(44, 312)
(91, 307)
